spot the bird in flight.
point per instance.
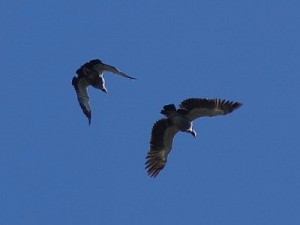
(91, 73)
(181, 119)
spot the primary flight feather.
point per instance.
(91, 73)
(181, 119)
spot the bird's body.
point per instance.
(178, 118)
(91, 73)
(181, 119)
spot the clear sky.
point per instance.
(242, 169)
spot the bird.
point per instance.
(181, 119)
(91, 73)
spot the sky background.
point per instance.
(242, 168)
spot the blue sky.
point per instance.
(242, 168)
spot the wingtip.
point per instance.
(129, 77)
(153, 173)
(89, 116)
(236, 105)
(90, 120)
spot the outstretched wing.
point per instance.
(199, 107)
(100, 67)
(162, 136)
(80, 86)
(105, 67)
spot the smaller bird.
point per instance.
(91, 73)
(181, 119)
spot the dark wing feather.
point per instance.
(162, 135)
(199, 107)
(82, 72)
(168, 110)
(92, 63)
(80, 86)
(104, 67)
(87, 68)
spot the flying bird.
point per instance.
(91, 73)
(180, 119)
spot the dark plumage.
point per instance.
(91, 73)
(181, 119)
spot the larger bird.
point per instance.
(91, 73)
(181, 119)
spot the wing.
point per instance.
(162, 136)
(105, 67)
(80, 86)
(199, 107)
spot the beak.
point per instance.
(104, 90)
(194, 133)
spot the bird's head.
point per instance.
(192, 132)
(104, 89)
